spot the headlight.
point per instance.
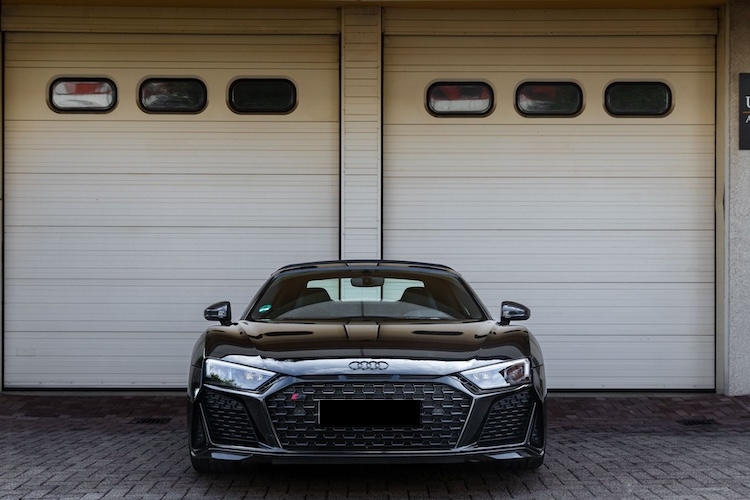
(500, 375)
(234, 376)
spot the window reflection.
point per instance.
(262, 95)
(83, 94)
(173, 95)
(638, 98)
(549, 99)
(454, 98)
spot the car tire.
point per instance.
(209, 466)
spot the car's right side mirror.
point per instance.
(510, 311)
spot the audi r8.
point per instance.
(362, 362)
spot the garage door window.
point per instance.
(638, 99)
(460, 99)
(549, 99)
(87, 95)
(262, 95)
(173, 95)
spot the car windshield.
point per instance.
(366, 295)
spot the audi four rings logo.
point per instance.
(368, 365)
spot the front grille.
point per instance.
(508, 420)
(228, 421)
(294, 414)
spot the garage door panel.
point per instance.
(603, 225)
(543, 22)
(554, 204)
(123, 318)
(122, 227)
(132, 291)
(698, 90)
(28, 84)
(220, 254)
(126, 299)
(549, 164)
(270, 149)
(690, 349)
(553, 58)
(561, 257)
(604, 374)
(622, 310)
(406, 84)
(588, 306)
(643, 330)
(686, 51)
(687, 319)
(544, 150)
(554, 63)
(36, 49)
(102, 367)
(116, 200)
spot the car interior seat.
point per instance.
(312, 296)
(418, 295)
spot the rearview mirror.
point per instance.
(513, 311)
(221, 312)
(367, 281)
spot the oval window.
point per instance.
(90, 95)
(173, 95)
(460, 98)
(549, 99)
(638, 99)
(262, 95)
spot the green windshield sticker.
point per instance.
(265, 308)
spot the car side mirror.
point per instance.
(221, 312)
(510, 311)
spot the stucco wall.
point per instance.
(737, 206)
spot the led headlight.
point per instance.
(234, 376)
(500, 375)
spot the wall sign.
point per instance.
(744, 110)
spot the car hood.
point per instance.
(268, 344)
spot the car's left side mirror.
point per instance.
(221, 312)
(510, 311)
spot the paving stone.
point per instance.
(73, 446)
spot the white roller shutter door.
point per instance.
(121, 227)
(602, 225)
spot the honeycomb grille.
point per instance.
(508, 420)
(443, 412)
(228, 421)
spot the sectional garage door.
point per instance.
(602, 224)
(121, 227)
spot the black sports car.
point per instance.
(376, 361)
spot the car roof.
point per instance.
(365, 263)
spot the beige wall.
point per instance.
(2, 192)
(439, 4)
(733, 166)
(360, 133)
(737, 210)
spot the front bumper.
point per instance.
(442, 457)
(281, 425)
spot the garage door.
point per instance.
(122, 225)
(598, 216)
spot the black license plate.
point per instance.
(370, 413)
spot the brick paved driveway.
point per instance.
(92, 446)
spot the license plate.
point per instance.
(369, 413)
